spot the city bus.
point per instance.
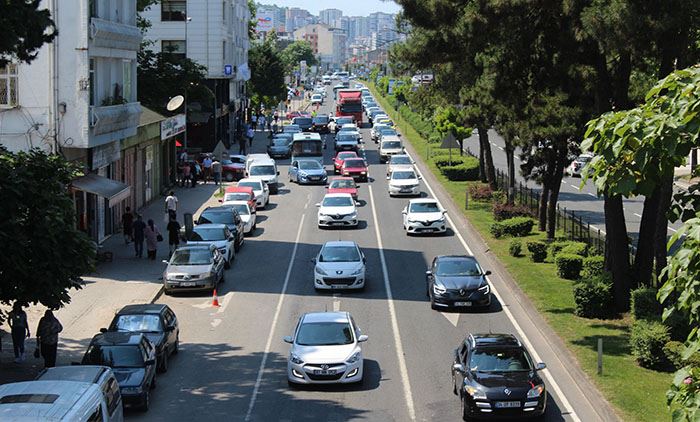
(307, 145)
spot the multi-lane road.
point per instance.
(232, 361)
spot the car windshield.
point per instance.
(584, 158)
(321, 119)
(241, 208)
(400, 159)
(339, 254)
(343, 121)
(348, 129)
(342, 184)
(500, 360)
(207, 234)
(302, 121)
(280, 142)
(425, 207)
(309, 165)
(191, 257)
(457, 268)
(262, 170)
(290, 128)
(391, 144)
(403, 175)
(346, 137)
(387, 131)
(353, 162)
(216, 217)
(346, 155)
(127, 356)
(236, 197)
(141, 323)
(351, 107)
(337, 201)
(324, 334)
(226, 162)
(251, 184)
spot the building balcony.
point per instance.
(122, 118)
(108, 34)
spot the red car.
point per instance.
(340, 158)
(343, 185)
(240, 193)
(292, 114)
(355, 168)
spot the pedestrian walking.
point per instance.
(19, 327)
(217, 169)
(178, 169)
(262, 123)
(173, 235)
(47, 338)
(206, 163)
(254, 121)
(171, 204)
(153, 236)
(250, 134)
(186, 175)
(139, 235)
(241, 144)
(128, 225)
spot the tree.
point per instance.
(267, 71)
(296, 52)
(25, 30)
(450, 120)
(46, 255)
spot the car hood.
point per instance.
(173, 270)
(355, 168)
(340, 268)
(337, 210)
(425, 216)
(324, 354)
(129, 377)
(278, 147)
(156, 338)
(265, 178)
(313, 172)
(392, 150)
(351, 191)
(245, 218)
(218, 243)
(519, 383)
(462, 282)
(403, 182)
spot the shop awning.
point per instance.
(112, 190)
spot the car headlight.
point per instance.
(535, 391)
(295, 359)
(210, 274)
(320, 271)
(437, 289)
(357, 271)
(353, 214)
(485, 289)
(410, 220)
(475, 392)
(354, 358)
(131, 390)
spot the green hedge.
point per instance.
(424, 127)
(515, 227)
(644, 305)
(673, 350)
(647, 341)
(444, 160)
(515, 248)
(594, 298)
(468, 170)
(593, 266)
(480, 192)
(538, 251)
(567, 246)
(569, 265)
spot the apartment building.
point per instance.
(327, 43)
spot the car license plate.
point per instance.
(507, 404)
(406, 190)
(313, 178)
(336, 286)
(187, 284)
(463, 304)
(324, 371)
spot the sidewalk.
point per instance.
(123, 281)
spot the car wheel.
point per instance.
(454, 385)
(237, 246)
(167, 292)
(163, 367)
(146, 401)
(229, 177)
(465, 409)
(227, 263)
(432, 305)
(291, 385)
(176, 348)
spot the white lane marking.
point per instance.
(494, 144)
(501, 148)
(215, 323)
(408, 396)
(574, 186)
(453, 317)
(225, 302)
(258, 381)
(637, 215)
(672, 229)
(550, 380)
(336, 305)
(592, 194)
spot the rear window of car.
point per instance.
(302, 121)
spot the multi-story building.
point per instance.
(360, 25)
(329, 16)
(296, 18)
(215, 35)
(327, 43)
(275, 15)
(380, 20)
(78, 98)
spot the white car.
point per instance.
(215, 234)
(260, 190)
(265, 170)
(399, 161)
(424, 216)
(248, 217)
(339, 265)
(403, 182)
(576, 166)
(374, 132)
(349, 127)
(390, 145)
(317, 99)
(325, 349)
(337, 209)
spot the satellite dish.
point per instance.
(175, 103)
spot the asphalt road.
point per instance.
(232, 361)
(583, 201)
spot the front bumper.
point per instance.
(404, 190)
(333, 221)
(331, 282)
(439, 226)
(133, 399)
(471, 299)
(385, 155)
(486, 409)
(206, 283)
(322, 179)
(356, 175)
(336, 373)
(248, 226)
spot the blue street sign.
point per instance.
(228, 69)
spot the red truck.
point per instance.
(349, 103)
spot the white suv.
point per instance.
(390, 145)
(424, 216)
(339, 265)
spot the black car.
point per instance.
(280, 146)
(225, 215)
(319, 124)
(132, 358)
(157, 322)
(457, 281)
(304, 123)
(340, 121)
(494, 377)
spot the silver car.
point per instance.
(193, 268)
(339, 265)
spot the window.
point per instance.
(96, 415)
(8, 85)
(126, 73)
(112, 395)
(173, 10)
(224, 52)
(92, 82)
(177, 48)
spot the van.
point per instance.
(263, 168)
(72, 401)
(102, 376)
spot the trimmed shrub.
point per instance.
(515, 247)
(576, 248)
(678, 326)
(647, 341)
(594, 298)
(644, 305)
(673, 350)
(480, 192)
(515, 227)
(593, 266)
(498, 197)
(503, 211)
(468, 170)
(444, 160)
(538, 251)
(569, 265)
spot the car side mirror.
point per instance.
(428, 272)
(287, 339)
(420, 177)
(318, 204)
(313, 260)
(404, 212)
(278, 173)
(488, 272)
(444, 212)
(458, 367)
(150, 362)
(362, 338)
(103, 330)
(540, 366)
(165, 261)
(221, 200)
(364, 259)
(387, 178)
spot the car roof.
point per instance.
(142, 308)
(346, 152)
(220, 208)
(248, 179)
(312, 317)
(493, 340)
(391, 138)
(194, 247)
(79, 373)
(238, 202)
(333, 243)
(237, 189)
(400, 156)
(117, 338)
(341, 178)
(333, 195)
(455, 258)
(422, 201)
(47, 400)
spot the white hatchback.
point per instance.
(404, 181)
(339, 265)
(248, 217)
(424, 216)
(260, 190)
(337, 209)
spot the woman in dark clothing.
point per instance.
(173, 235)
(20, 330)
(47, 338)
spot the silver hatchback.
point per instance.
(194, 268)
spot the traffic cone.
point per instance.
(215, 300)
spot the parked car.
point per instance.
(424, 215)
(574, 169)
(193, 268)
(494, 377)
(228, 216)
(263, 167)
(246, 213)
(307, 172)
(340, 158)
(154, 320)
(260, 189)
(343, 185)
(403, 182)
(133, 360)
(325, 349)
(240, 193)
(339, 265)
(215, 234)
(337, 209)
(457, 281)
(233, 168)
(355, 168)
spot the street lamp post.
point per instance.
(187, 20)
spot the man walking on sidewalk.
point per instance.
(139, 235)
(207, 162)
(217, 170)
(241, 144)
(47, 338)
(171, 205)
(20, 330)
(250, 134)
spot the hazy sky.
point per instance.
(349, 7)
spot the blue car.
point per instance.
(307, 172)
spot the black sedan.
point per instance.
(494, 377)
(157, 322)
(457, 281)
(320, 124)
(132, 358)
(225, 214)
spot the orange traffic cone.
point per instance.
(215, 300)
